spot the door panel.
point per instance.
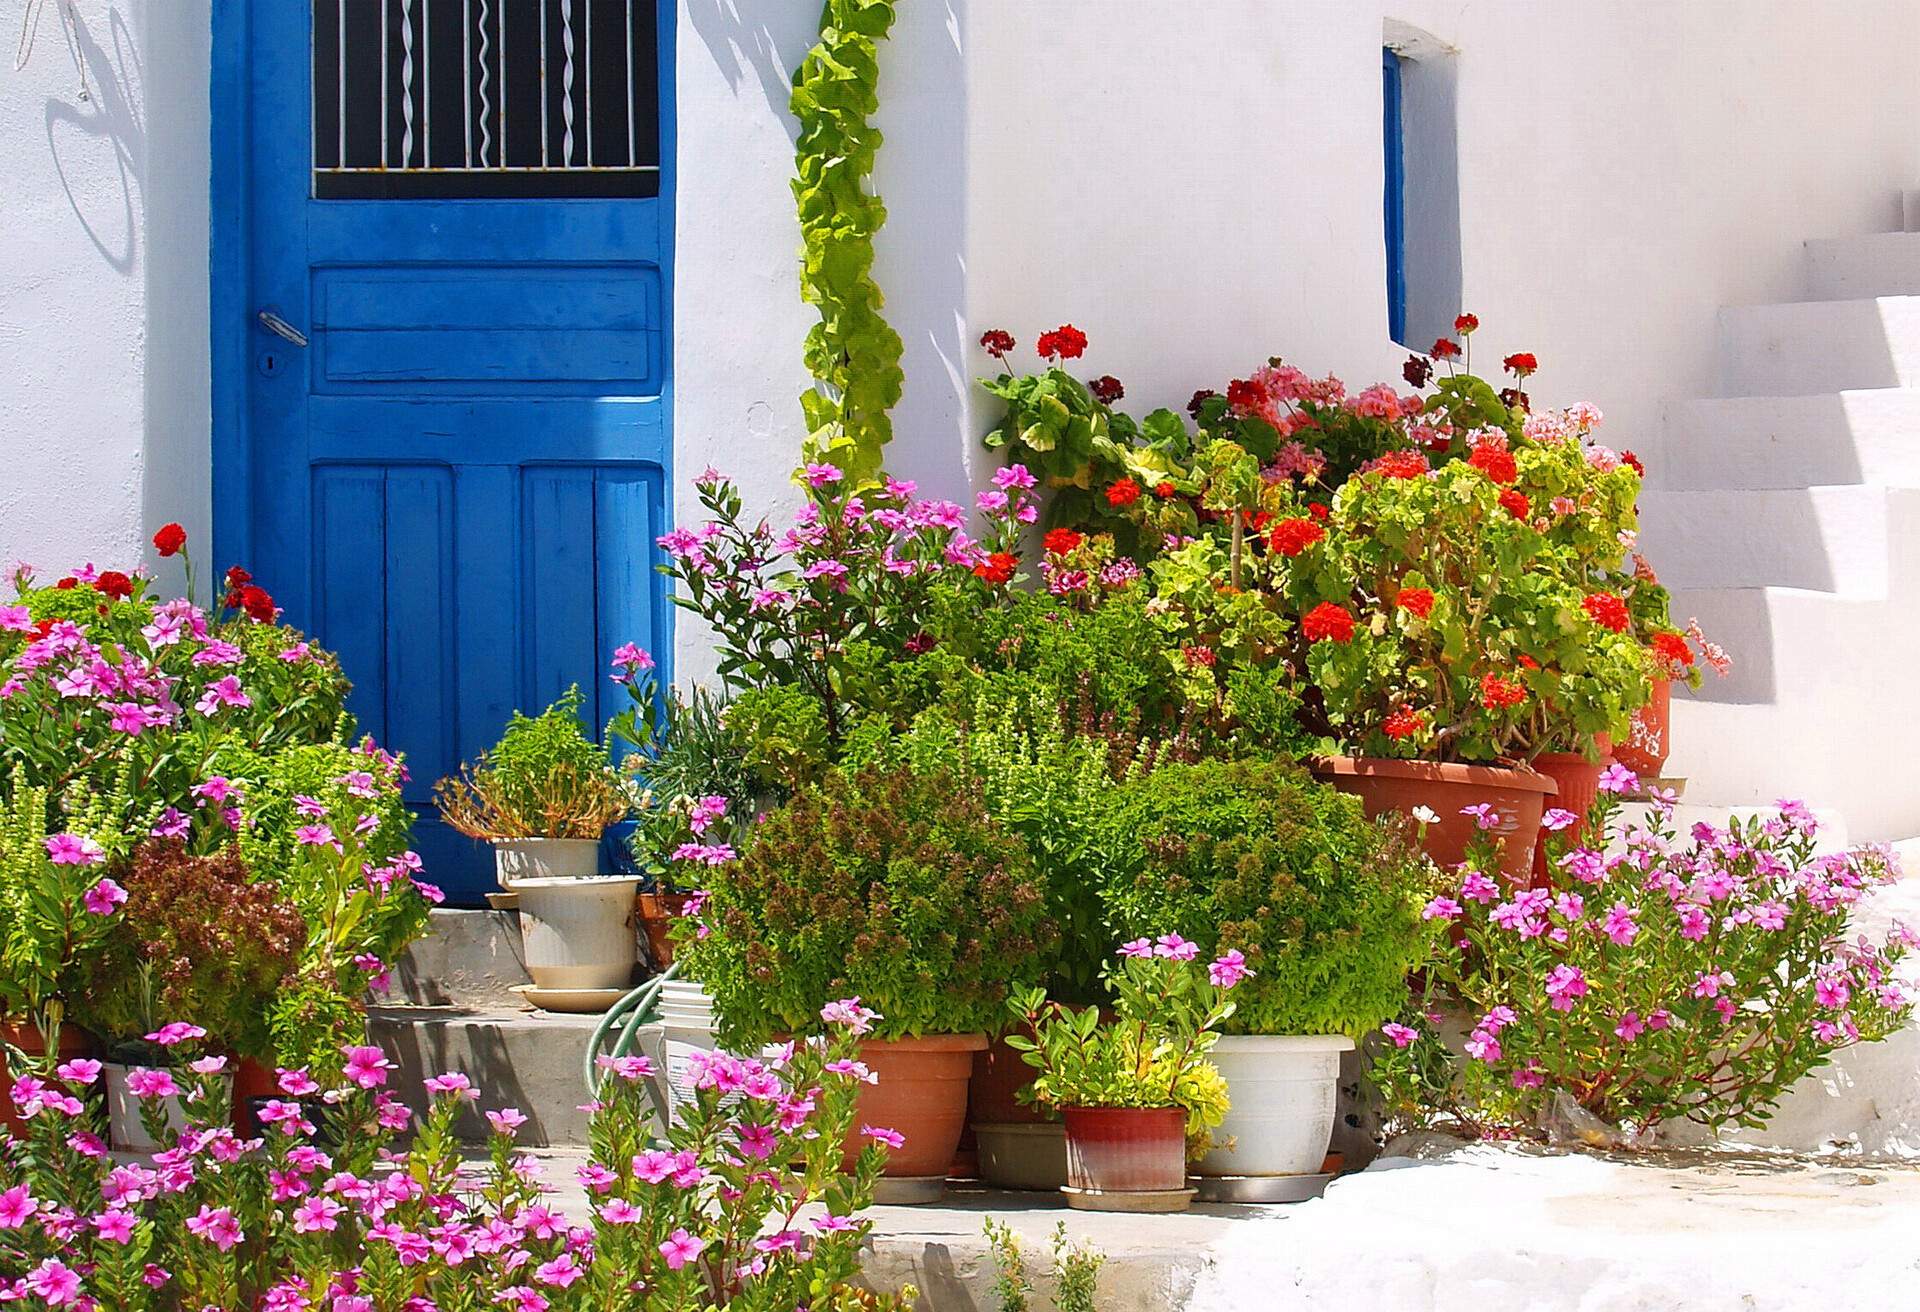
(457, 482)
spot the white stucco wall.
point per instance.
(103, 409)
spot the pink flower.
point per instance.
(1175, 948)
(1482, 1046)
(1476, 887)
(146, 1084)
(1557, 819)
(365, 1066)
(55, 1282)
(1529, 1076)
(17, 1207)
(74, 850)
(1485, 815)
(1709, 984)
(222, 692)
(1013, 476)
(653, 1165)
(619, 1211)
(681, 1248)
(831, 1224)
(848, 1012)
(218, 1226)
(1616, 778)
(1631, 1026)
(1620, 925)
(891, 1138)
(15, 619)
(317, 1215)
(176, 1032)
(296, 1083)
(1139, 947)
(819, 476)
(172, 824)
(1401, 1035)
(103, 897)
(1565, 985)
(561, 1272)
(1228, 969)
(115, 1225)
(507, 1120)
(81, 1070)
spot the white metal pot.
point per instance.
(516, 859)
(1283, 1090)
(579, 933)
(124, 1126)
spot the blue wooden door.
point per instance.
(442, 429)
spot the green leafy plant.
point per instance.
(1323, 903)
(545, 778)
(852, 353)
(199, 940)
(55, 904)
(699, 755)
(1011, 1284)
(1076, 1272)
(889, 885)
(1167, 1012)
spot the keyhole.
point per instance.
(269, 363)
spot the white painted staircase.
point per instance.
(1787, 518)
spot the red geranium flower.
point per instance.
(1632, 461)
(1400, 464)
(1244, 394)
(1403, 723)
(1606, 610)
(998, 342)
(1106, 389)
(1466, 323)
(1066, 342)
(1671, 648)
(1417, 370)
(1199, 400)
(1290, 537)
(1521, 363)
(1257, 520)
(1416, 601)
(1200, 656)
(1515, 399)
(237, 577)
(1496, 464)
(67, 584)
(997, 568)
(1496, 692)
(1122, 491)
(169, 539)
(1060, 541)
(1516, 504)
(257, 604)
(1444, 349)
(1327, 622)
(114, 584)
(1164, 489)
(1319, 510)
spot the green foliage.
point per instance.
(1011, 1284)
(199, 940)
(894, 887)
(1076, 1273)
(699, 755)
(852, 352)
(780, 733)
(1255, 855)
(46, 934)
(545, 778)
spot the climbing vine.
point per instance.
(853, 354)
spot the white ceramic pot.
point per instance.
(124, 1126)
(686, 1022)
(515, 859)
(579, 933)
(1283, 1089)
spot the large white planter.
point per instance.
(517, 859)
(579, 933)
(1283, 1090)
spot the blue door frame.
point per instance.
(457, 482)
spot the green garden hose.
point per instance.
(631, 1014)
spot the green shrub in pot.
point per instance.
(887, 884)
(1257, 856)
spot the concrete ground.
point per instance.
(1480, 1229)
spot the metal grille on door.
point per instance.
(449, 99)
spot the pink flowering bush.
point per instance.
(851, 586)
(1656, 978)
(742, 1203)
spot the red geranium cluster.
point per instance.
(244, 594)
(1327, 622)
(1106, 389)
(1497, 693)
(998, 342)
(1608, 611)
(1290, 537)
(1495, 461)
(1123, 492)
(1416, 601)
(1403, 723)
(1516, 503)
(1065, 343)
(1672, 649)
(1060, 541)
(997, 568)
(1400, 464)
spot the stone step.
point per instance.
(517, 1058)
(1869, 264)
(1794, 441)
(1826, 539)
(467, 959)
(1820, 346)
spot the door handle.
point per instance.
(279, 327)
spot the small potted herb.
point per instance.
(1136, 1091)
(543, 797)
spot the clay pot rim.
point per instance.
(1437, 772)
(1254, 1043)
(1181, 1112)
(974, 1042)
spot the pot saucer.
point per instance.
(1261, 1188)
(570, 1000)
(1136, 1200)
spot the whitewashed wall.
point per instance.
(103, 277)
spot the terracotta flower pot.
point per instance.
(922, 1094)
(74, 1042)
(253, 1084)
(1578, 780)
(1519, 798)
(1126, 1150)
(658, 911)
(993, 1098)
(1645, 750)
